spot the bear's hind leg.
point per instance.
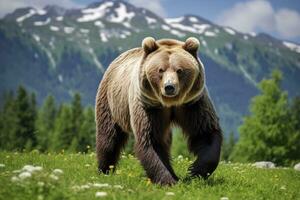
(110, 138)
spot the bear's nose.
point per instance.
(170, 89)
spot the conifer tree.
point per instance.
(76, 119)
(87, 132)
(63, 134)
(26, 114)
(294, 140)
(266, 133)
(45, 123)
(8, 122)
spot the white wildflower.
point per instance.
(58, 171)
(76, 187)
(41, 184)
(40, 197)
(224, 198)
(118, 186)
(24, 175)
(170, 193)
(38, 168)
(14, 179)
(28, 168)
(99, 185)
(31, 168)
(283, 187)
(101, 194)
(53, 177)
(84, 187)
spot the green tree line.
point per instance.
(50, 127)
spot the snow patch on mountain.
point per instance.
(150, 20)
(51, 43)
(124, 34)
(99, 24)
(48, 53)
(22, 18)
(91, 14)
(210, 34)
(201, 27)
(95, 59)
(174, 20)
(60, 78)
(177, 33)
(59, 18)
(216, 51)
(193, 19)
(122, 15)
(68, 30)
(54, 28)
(82, 30)
(41, 12)
(194, 28)
(247, 75)
(42, 23)
(183, 27)
(292, 46)
(36, 37)
(253, 34)
(104, 37)
(229, 30)
(30, 14)
(165, 27)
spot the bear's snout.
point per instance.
(170, 86)
(170, 89)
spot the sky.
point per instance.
(279, 18)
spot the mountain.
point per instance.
(60, 51)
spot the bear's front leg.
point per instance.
(201, 125)
(152, 145)
(207, 149)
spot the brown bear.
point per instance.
(146, 91)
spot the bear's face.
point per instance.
(172, 74)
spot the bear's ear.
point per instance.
(191, 45)
(149, 45)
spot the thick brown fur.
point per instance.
(133, 97)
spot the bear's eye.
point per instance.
(179, 71)
(161, 70)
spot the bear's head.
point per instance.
(171, 72)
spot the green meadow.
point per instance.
(74, 176)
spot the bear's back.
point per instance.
(117, 82)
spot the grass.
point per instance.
(80, 180)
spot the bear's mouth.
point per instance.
(169, 96)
